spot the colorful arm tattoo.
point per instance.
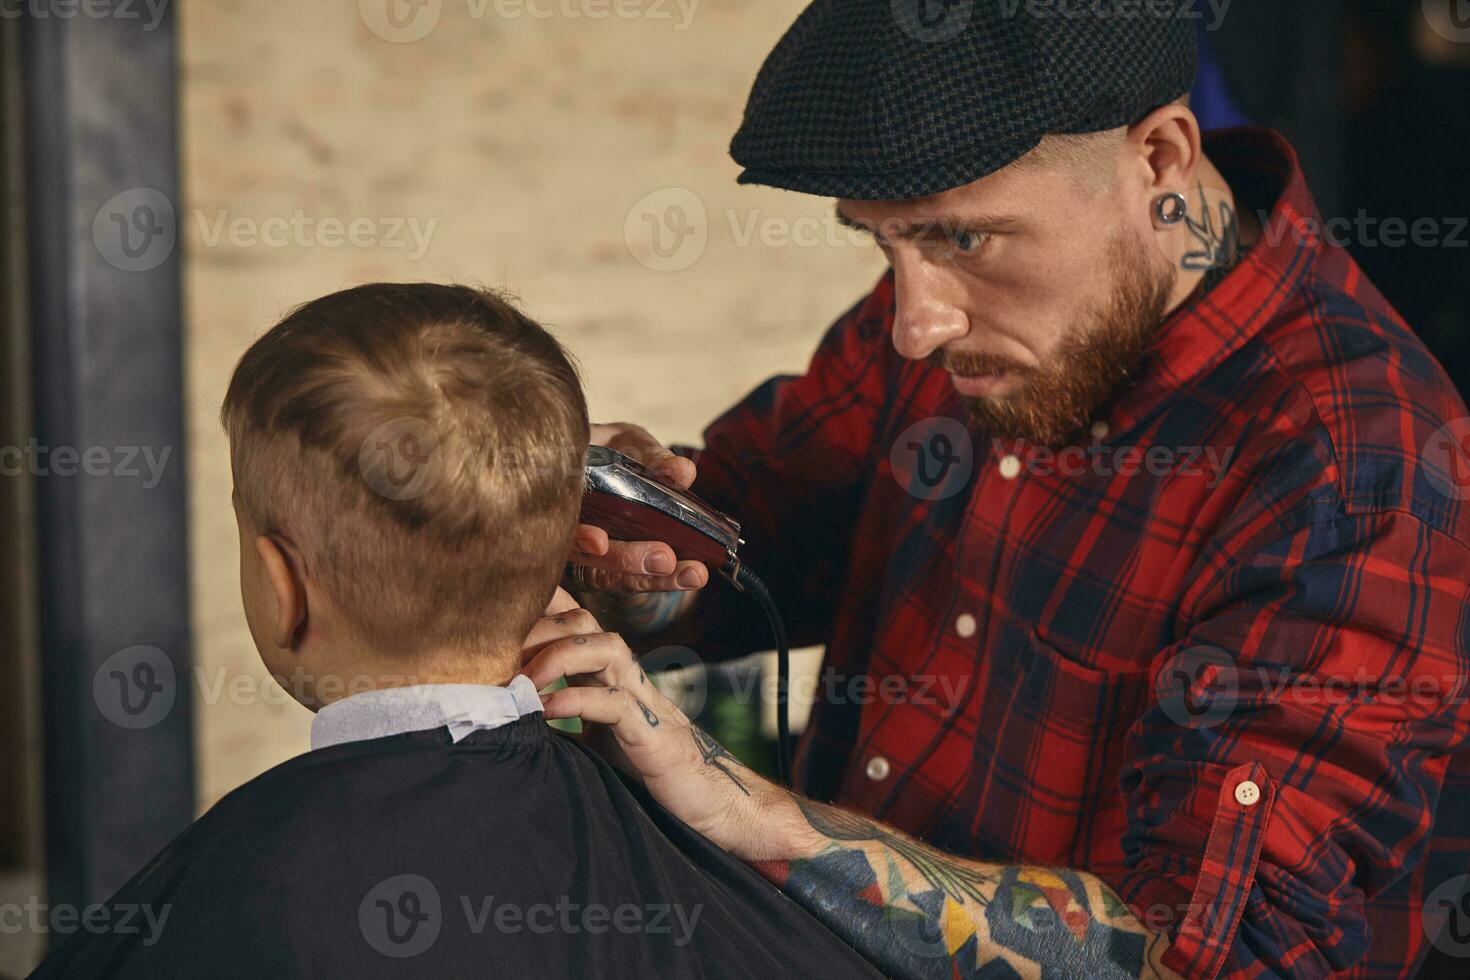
(916, 912)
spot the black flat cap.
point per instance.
(891, 99)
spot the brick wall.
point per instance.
(532, 150)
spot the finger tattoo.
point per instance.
(648, 716)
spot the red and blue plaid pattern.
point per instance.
(1216, 655)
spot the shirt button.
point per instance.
(1100, 430)
(877, 768)
(1010, 467)
(1247, 793)
(965, 625)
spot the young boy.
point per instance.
(407, 463)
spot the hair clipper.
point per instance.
(630, 504)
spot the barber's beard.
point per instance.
(1092, 363)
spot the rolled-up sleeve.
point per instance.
(1292, 764)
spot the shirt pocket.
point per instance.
(1061, 731)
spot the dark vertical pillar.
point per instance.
(19, 709)
(102, 189)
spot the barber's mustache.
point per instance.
(969, 364)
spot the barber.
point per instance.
(1129, 776)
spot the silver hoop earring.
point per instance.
(1170, 209)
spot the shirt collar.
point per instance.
(1207, 330)
(462, 708)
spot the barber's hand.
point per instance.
(637, 566)
(689, 773)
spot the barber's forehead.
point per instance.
(998, 199)
(883, 100)
(924, 216)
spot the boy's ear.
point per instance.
(284, 573)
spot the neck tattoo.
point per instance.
(1215, 241)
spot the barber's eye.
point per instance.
(968, 242)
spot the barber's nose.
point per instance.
(923, 321)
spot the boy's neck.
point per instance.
(378, 673)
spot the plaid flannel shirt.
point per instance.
(1215, 654)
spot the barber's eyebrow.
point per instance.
(919, 229)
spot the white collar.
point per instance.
(462, 708)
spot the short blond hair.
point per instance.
(422, 446)
(1086, 157)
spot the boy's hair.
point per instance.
(422, 446)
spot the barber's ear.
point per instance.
(1168, 141)
(284, 571)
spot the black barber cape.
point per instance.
(514, 853)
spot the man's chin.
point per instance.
(1019, 416)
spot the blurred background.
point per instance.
(179, 173)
